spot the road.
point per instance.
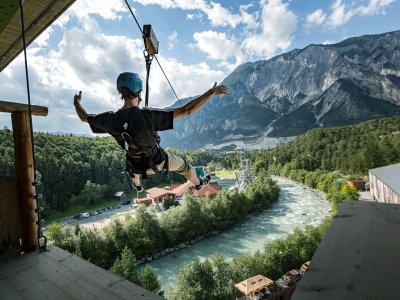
(100, 220)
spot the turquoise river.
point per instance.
(297, 206)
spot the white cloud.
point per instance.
(88, 60)
(43, 38)
(342, 12)
(375, 7)
(172, 40)
(217, 46)
(108, 10)
(215, 12)
(220, 16)
(187, 80)
(250, 20)
(278, 24)
(328, 42)
(195, 16)
(318, 17)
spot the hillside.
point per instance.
(346, 83)
(349, 149)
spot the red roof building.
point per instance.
(159, 194)
(156, 195)
(212, 189)
(146, 201)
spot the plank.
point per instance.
(358, 256)
(57, 274)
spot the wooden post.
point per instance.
(10, 219)
(24, 170)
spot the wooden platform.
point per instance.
(57, 274)
(359, 257)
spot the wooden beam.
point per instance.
(24, 170)
(11, 107)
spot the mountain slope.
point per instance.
(318, 86)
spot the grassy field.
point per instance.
(227, 174)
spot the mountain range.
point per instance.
(271, 101)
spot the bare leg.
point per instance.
(136, 179)
(192, 176)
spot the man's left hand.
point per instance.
(219, 89)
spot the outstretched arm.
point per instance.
(198, 102)
(82, 114)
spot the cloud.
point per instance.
(318, 17)
(375, 7)
(43, 38)
(195, 16)
(217, 46)
(328, 42)
(88, 60)
(172, 40)
(278, 25)
(215, 12)
(187, 80)
(108, 10)
(250, 20)
(264, 33)
(220, 16)
(342, 12)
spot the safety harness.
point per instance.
(139, 160)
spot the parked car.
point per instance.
(126, 202)
(84, 215)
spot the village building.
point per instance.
(120, 195)
(358, 184)
(158, 195)
(211, 189)
(385, 184)
(155, 195)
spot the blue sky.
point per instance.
(201, 42)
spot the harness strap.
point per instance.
(145, 159)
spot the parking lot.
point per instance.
(99, 218)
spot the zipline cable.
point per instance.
(42, 247)
(159, 64)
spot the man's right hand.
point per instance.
(78, 98)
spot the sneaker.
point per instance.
(203, 181)
(138, 188)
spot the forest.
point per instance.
(82, 171)
(347, 150)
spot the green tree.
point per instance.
(170, 203)
(54, 232)
(195, 281)
(149, 279)
(125, 266)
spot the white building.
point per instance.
(385, 184)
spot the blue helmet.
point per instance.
(130, 81)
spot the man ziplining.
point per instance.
(136, 130)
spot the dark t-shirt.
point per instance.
(141, 124)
